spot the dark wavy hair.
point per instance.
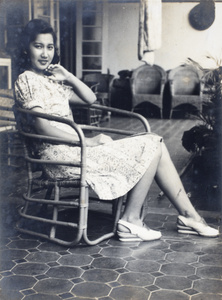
(28, 35)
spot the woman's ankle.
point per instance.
(133, 220)
(194, 216)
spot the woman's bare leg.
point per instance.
(169, 181)
(163, 169)
(189, 220)
(137, 195)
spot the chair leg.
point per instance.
(47, 197)
(24, 209)
(9, 151)
(55, 212)
(107, 235)
(119, 206)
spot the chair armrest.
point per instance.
(202, 87)
(79, 128)
(94, 87)
(124, 113)
(52, 118)
(162, 85)
(172, 87)
(81, 164)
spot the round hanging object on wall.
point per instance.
(202, 15)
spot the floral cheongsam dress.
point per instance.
(113, 169)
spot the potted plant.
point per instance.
(204, 140)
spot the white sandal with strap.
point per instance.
(189, 226)
(137, 233)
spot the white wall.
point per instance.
(123, 36)
(179, 39)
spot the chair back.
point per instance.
(101, 81)
(32, 141)
(186, 80)
(7, 119)
(101, 85)
(186, 87)
(147, 79)
(10, 145)
(147, 86)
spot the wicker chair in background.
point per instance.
(186, 87)
(147, 85)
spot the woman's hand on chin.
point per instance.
(58, 73)
(100, 139)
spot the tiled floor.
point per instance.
(177, 267)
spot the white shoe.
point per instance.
(189, 226)
(137, 233)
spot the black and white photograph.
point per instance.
(110, 149)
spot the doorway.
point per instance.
(68, 35)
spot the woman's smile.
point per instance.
(43, 61)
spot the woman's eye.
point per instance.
(38, 46)
(51, 47)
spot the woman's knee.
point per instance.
(164, 151)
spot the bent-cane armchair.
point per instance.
(46, 212)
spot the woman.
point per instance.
(45, 86)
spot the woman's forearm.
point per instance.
(81, 89)
(56, 132)
(42, 126)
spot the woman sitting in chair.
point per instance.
(114, 168)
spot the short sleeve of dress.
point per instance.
(28, 91)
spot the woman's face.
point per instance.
(41, 52)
